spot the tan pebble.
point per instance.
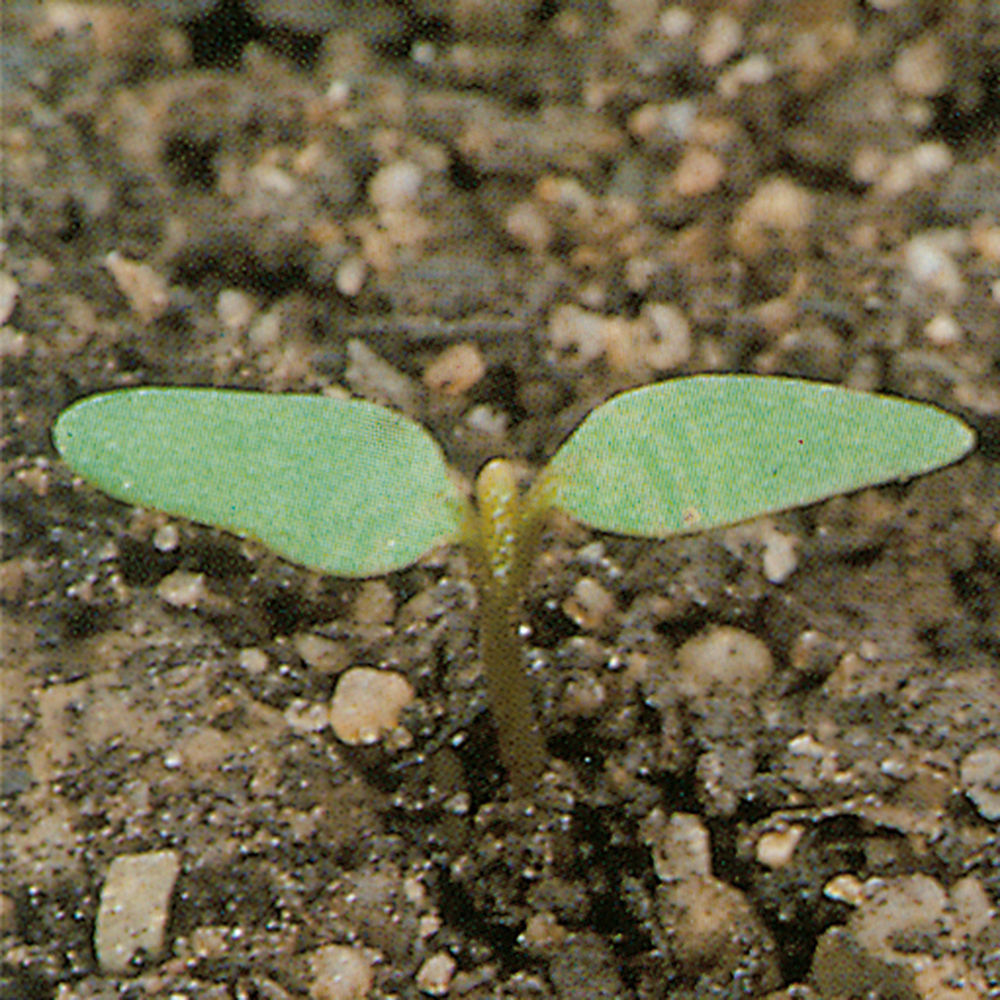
(396, 185)
(455, 370)
(266, 329)
(321, 653)
(434, 976)
(777, 216)
(8, 914)
(699, 172)
(984, 238)
(133, 909)
(350, 277)
(182, 589)
(584, 697)
(528, 227)
(921, 68)
(542, 931)
(10, 288)
(578, 332)
(340, 972)
(253, 660)
(723, 657)
(722, 39)
(980, 776)
(780, 555)
(166, 537)
(367, 704)
(13, 344)
(714, 929)
(590, 605)
(663, 336)
(928, 261)
(971, 907)
(307, 716)
(943, 330)
(144, 288)
(235, 309)
(845, 888)
(776, 847)
(375, 603)
(680, 844)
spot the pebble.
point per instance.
(235, 309)
(725, 657)
(776, 847)
(589, 605)
(723, 38)
(144, 288)
(351, 274)
(396, 185)
(455, 370)
(434, 976)
(10, 289)
(182, 589)
(776, 217)
(580, 333)
(340, 972)
(714, 931)
(663, 336)
(699, 172)
(921, 68)
(680, 845)
(928, 260)
(980, 776)
(326, 655)
(133, 910)
(367, 704)
(375, 603)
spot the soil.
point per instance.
(494, 216)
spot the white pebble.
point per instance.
(235, 309)
(724, 657)
(132, 914)
(664, 336)
(930, 264)
(367, 704)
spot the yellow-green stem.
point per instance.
(503, 542)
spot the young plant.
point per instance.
(358, 490)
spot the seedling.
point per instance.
(358, 490)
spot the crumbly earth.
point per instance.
(494, 215)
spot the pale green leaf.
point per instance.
(696, 453)
(343, 486)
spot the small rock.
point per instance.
(723, 38)
(145, 289)
(396, 185)
(321, 653)
(663, 336)
(582, 334)
(724, 657)
(921, 68)
(235, 309)
(590, 605)
(434, 976)
(132, 914)
(10, 289)
(776, 847)
(182, 589)
(980, 774)
(714, 931)
(367, 704)
(455, 370)
(375, 603)
(373, 377)
(776, 217)
(340, 972)
(680, 845)
(350, 277)
(928, 260)
(699, 172)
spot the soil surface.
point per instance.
(773, 750)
